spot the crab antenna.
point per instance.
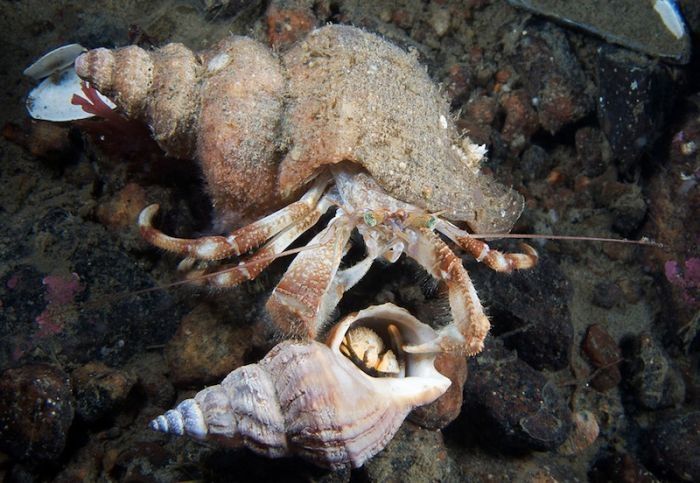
(643, 241)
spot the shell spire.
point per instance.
(221, 106)
(308, 399)
(136, 80)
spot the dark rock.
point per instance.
(36, 411)
(605, 356)
(535, 163)
(589, 151)
(634, 98)
(511, 405)
(673, 446)
(459, 83)
(447, 407)
(607, 295)
(99, 390)
(552, 75)
(654, 381)
(625, 201)
(530, 307)
(415, 454)
(151, 371)
(138, 461)
(620, 467)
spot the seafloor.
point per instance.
(591, 369)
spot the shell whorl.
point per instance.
(161, 86)
(307, 399)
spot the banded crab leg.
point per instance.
(251, 266)
(312, 285)
(495, 260)
(469, 325)
(240, 241)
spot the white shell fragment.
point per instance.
(307, 399)
(54, 61)
(51, 99)
(671, 17)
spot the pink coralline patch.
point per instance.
(686, 277)
(60, 291)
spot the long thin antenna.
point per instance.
(523, 236)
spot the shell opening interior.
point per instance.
(396, 328)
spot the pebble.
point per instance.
(206, 348)
(121, 211)
(512, 406)
(36, 411)
(656, 384)
(583, 434)
(674, 445)
(447, 407)
(607, 295)
(439, 20)
(287, 22)
(605, 355)
(99, 390)
(626, 203)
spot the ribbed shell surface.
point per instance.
(334, 413)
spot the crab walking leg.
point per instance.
(343, 281)
(240, 241)
(250, 267)
(470, 325)
(298, 305)
(495, 260)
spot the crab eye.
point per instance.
(369, 218)
(431, 222)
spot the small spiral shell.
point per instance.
(309, 400)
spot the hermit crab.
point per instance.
(311, 400)
(343, 120)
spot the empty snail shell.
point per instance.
(307, 399)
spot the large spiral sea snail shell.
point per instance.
(307, 399)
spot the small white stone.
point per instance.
(218, 62)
